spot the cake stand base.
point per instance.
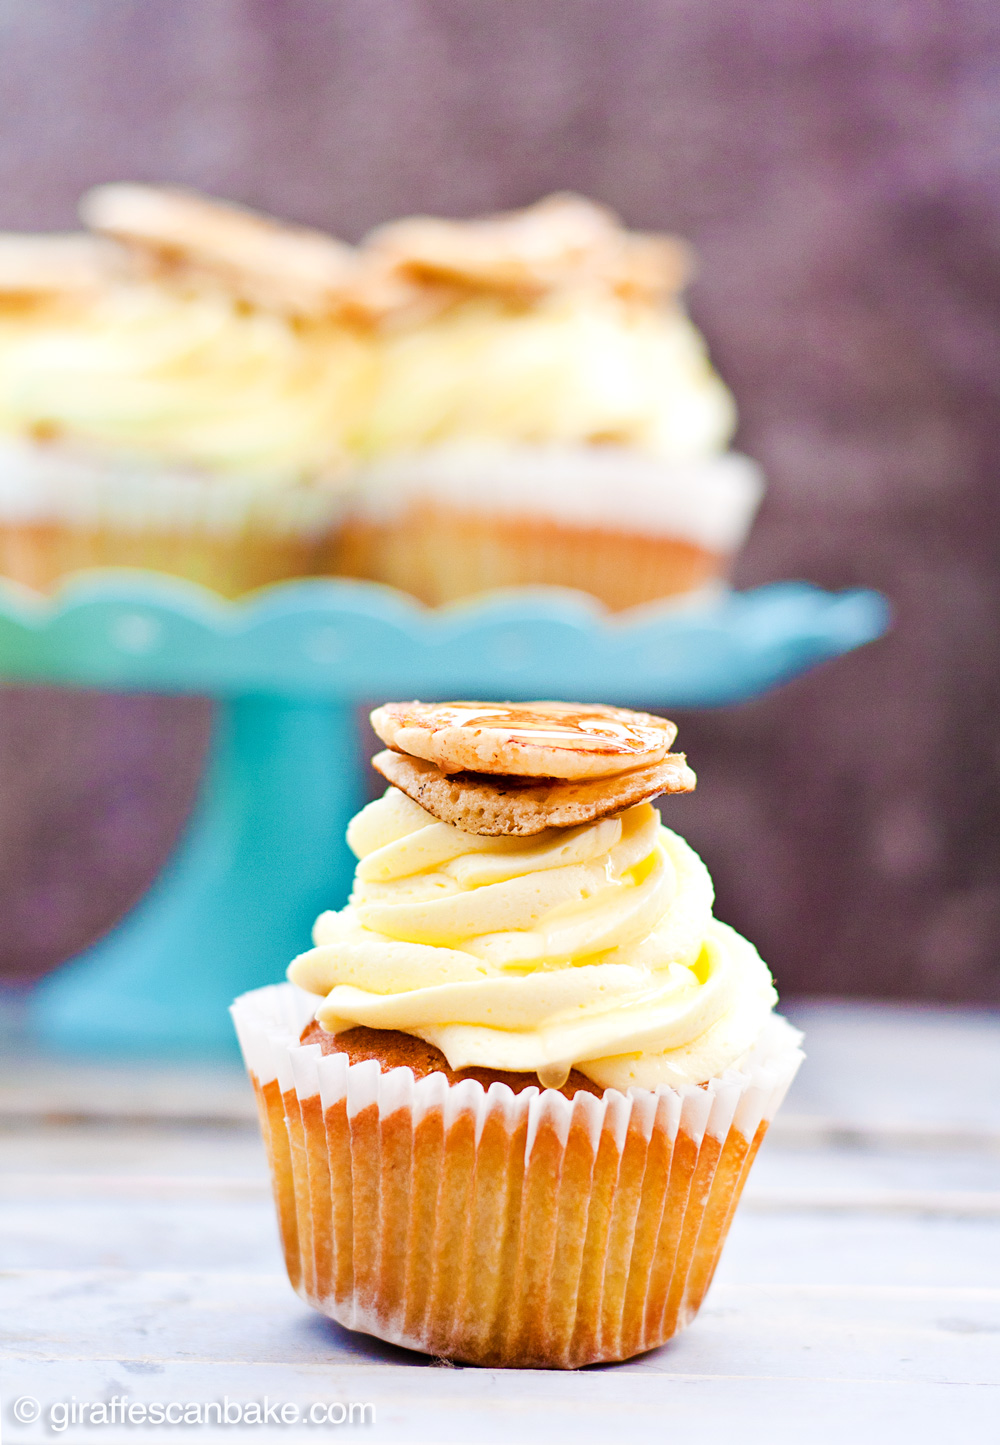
(264, 853)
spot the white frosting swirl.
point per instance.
(592, 947)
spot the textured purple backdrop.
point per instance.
(836, 166)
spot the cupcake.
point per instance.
(544, 412)
(511, 1096)
(189, 410)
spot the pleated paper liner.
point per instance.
(501, 1229)
(441, 554)
(64, 509)
(455, 519)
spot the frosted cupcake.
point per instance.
(545, 412)
(511, 1097)
(192, 412)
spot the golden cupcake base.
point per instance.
(441, 554)
(66, 509)
(40, 555)
(527, 1230)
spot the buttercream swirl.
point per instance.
(191, 377)
(592, 947)
(576, 367)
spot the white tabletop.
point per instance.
(858, 1298)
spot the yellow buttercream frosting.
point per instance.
(180, 368)
(579, 365)
(191, 378)
(592, 947)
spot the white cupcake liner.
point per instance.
(513, 1229)
(708, 501)
(54, 482)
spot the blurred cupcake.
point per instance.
(511, 1097)
(191, 410)
(544, 412)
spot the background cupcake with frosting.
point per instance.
(544, 412)
(188, 405)
(511, 1096)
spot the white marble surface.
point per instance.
(858, 1298)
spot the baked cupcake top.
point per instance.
(590, 946)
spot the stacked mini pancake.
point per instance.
(499, 771)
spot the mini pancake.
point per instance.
(562, 740)
(518, 252)
(561, 239)
(40, 267)
(520, 807)
(283, 268)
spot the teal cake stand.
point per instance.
(264, 851)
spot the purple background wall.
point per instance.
(836, 165)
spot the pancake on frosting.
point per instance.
(530, 739)
(498, 805)
(590, 947)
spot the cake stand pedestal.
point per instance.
(264, 851)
